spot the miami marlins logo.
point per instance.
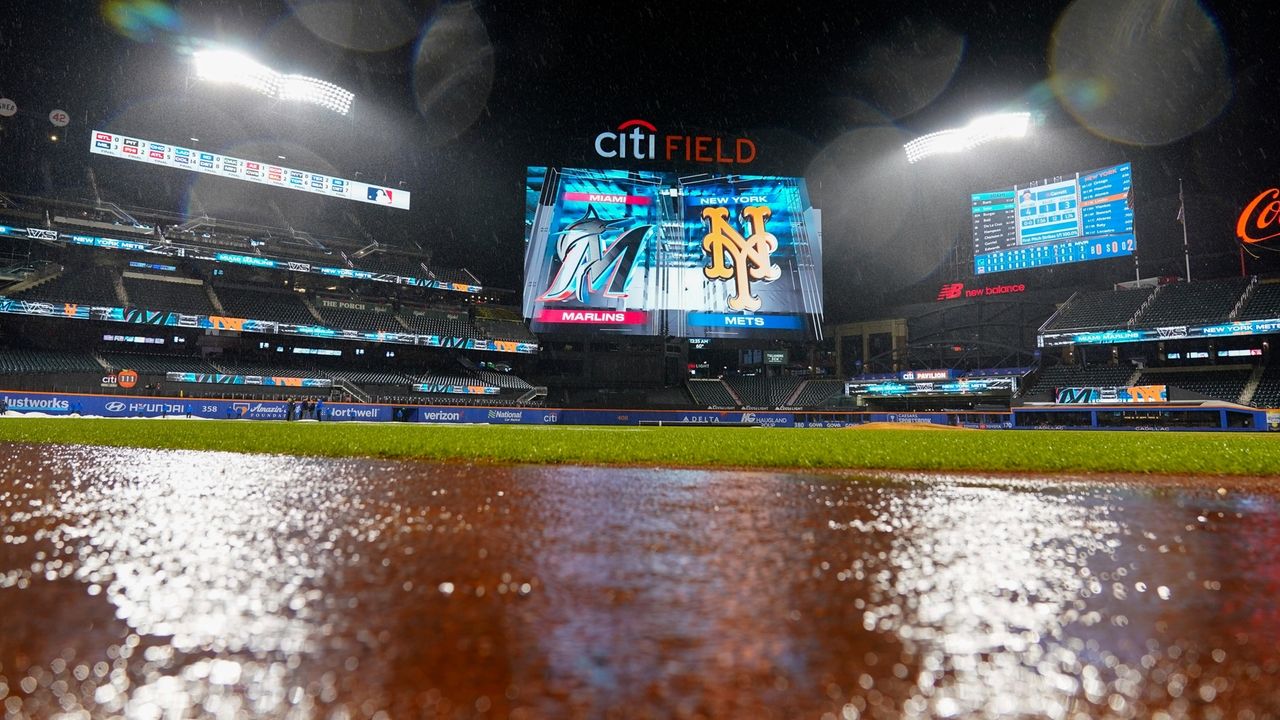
(748, 258)
(584, 266)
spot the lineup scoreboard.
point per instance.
(225, 166)
(1086, 216)
(652, 253)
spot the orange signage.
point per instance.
(128, 378)
(1261, 218)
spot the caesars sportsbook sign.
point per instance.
(1260, 220)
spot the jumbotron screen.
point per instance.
(650, 253)
(1086, 216)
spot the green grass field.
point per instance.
(1027, 451)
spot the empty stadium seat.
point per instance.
(391, 264)
(353, 318)
(157, 364)
(88, 285)
(1268, 393)
(168, 296)
(1263, 304)
(21, 361)
(818, 392)
(1057, 376)
(285, 306)
(1106, 309)
(1217, 384)
(445, 323)
(710, 393)
(1195, 303)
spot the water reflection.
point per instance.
(179, 584)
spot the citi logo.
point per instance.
(638, 140)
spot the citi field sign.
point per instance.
(640, 140)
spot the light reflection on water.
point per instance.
(177, 584)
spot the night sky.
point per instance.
(454, 100)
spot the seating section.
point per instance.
(353, 318)
(157, 364)
(818, 392)
(371, 377)
(162, 295)
(19, 361)
(445, 378)
(1263, 304)
(1106, 309)
(1075, 376)
(452, 275)
(502, 380)
(1268, 393)
(438, 322)
(1218, 384)
(240, 368)
(711, 393)
(756, 391)
(287, 307)
(205, 236)
(92, 285)
(504, 330)
(1193, 303)
(392, 264)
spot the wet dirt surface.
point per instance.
(155, 584)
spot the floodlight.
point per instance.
(982, 130)
(227, 66)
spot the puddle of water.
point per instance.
(178, 584)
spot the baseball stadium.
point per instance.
(407, 359)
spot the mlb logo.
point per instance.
(156, 147)
(380, 195)
(206, 156)
(101, 144)
(131, 143)
(181, 151)
(337, 182)
(156, 154)
(132, 150)
(252, 165)
(102, 136)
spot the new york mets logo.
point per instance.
(738, 258)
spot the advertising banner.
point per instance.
(181, 158)
(1091, 395)
(217, 322)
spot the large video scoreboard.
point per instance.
(1086, 216)
(648, 253)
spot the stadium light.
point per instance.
(981, 130)
(233, 68)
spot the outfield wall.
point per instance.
(69, 404)
(153, 407)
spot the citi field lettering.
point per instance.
(638, 140)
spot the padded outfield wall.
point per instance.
(71, 404)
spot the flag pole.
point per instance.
(1182, 218)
